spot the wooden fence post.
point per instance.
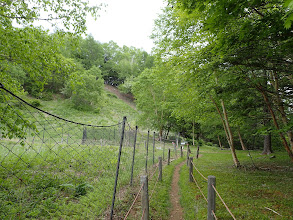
(169, 152)
(190, 169)
(145, 198)
(160, 168)
(211, 197)
(197, 152)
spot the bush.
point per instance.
(36, 103)
(126, 86)
(85, 89)
(46, 96)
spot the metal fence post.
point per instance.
(177, 143)
(187, 157)
(147, 153)
(134, 144)
(84, 136)
(169, 152)
(190, 169)
(211, 197)
(129, 137)
(62, 136)
(117, 169)
(164, 150)
(144, 198)
(154, 148)
(43, 141)
(160, 168)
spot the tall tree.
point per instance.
(31, 49)
(246, 39)
(149, 90)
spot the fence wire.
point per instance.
(214, 188)
(52, 167)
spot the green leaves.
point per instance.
(85, 88)
(71, 15)
(288, 17)
(226, 50)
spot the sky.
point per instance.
(126, 22)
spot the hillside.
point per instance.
(128, 98)
(114, 107)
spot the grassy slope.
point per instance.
(111, 111)
(247, 191)
(47, 190)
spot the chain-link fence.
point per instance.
(51, 167)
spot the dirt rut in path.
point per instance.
(128, 98)
(177, 211)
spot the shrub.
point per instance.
(85, 88)
(36, 103)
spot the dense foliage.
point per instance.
(229, 65)
(43, 63)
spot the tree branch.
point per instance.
(32, 18)
(258, 12)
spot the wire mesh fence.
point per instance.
(51, 167)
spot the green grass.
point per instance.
(247, 191)
(53, 174)
(110, 111)
(159, 194)
(160, 205)
(62, 181)
(53, 179)
(55, 183)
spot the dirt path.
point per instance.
(128, 98)
(177, 211)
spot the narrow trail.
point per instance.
(177, 211)
(127, 98)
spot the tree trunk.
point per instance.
(167, 133)
(241, 141)
(220, 144)
(161, 134)
(280, 104)
(228, 132)
(233, 151)
(267, 145)
(284, 141)
(224, 125)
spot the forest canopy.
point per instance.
(230, 69)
